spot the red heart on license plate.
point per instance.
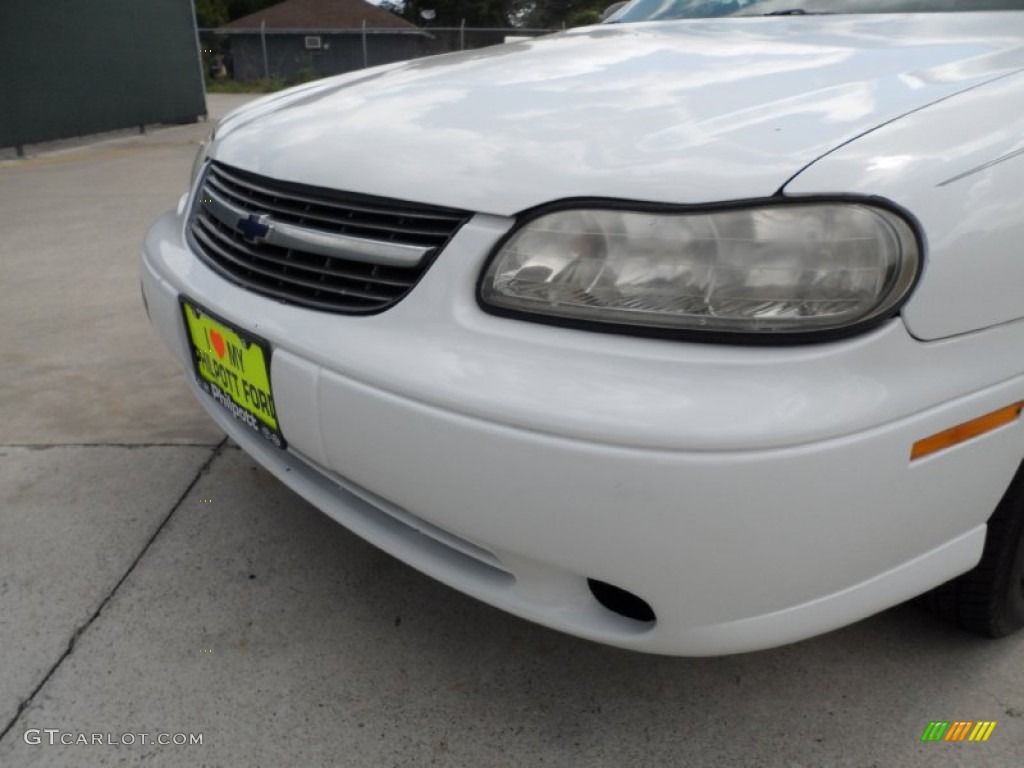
(218, 343)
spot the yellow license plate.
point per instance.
(233, 367)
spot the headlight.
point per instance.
(201, 155)
(779, 269)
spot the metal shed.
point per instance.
(69, 68)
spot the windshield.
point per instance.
(650, 10)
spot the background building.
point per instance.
(307, 38)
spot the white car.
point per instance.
(686, 335)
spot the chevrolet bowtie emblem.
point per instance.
(254, 227)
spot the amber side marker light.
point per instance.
(966, 431)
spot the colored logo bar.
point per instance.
(958, 730)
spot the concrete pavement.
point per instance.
(154, 580)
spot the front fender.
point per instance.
(958, 167)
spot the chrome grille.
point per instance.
(315, 247)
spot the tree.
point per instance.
(239, 8)
(214, 13)
(451, 13)
(571, 13)
(211, 13)
(391, 6)
(548, 14)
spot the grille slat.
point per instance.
(331, 283)
(258, 185)
(259, 282)
(320, 215)
(277, 258)
(298, 280)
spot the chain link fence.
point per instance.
(299, 55)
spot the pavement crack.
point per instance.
(80, 630)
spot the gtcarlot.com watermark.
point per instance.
(53, 736)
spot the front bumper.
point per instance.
(751, 496)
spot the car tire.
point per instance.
(989, 600)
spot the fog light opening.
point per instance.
(618, 600)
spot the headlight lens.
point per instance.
(773, 269)
(201, 155)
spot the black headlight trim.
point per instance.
(737, 338)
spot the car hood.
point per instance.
(674, 112)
